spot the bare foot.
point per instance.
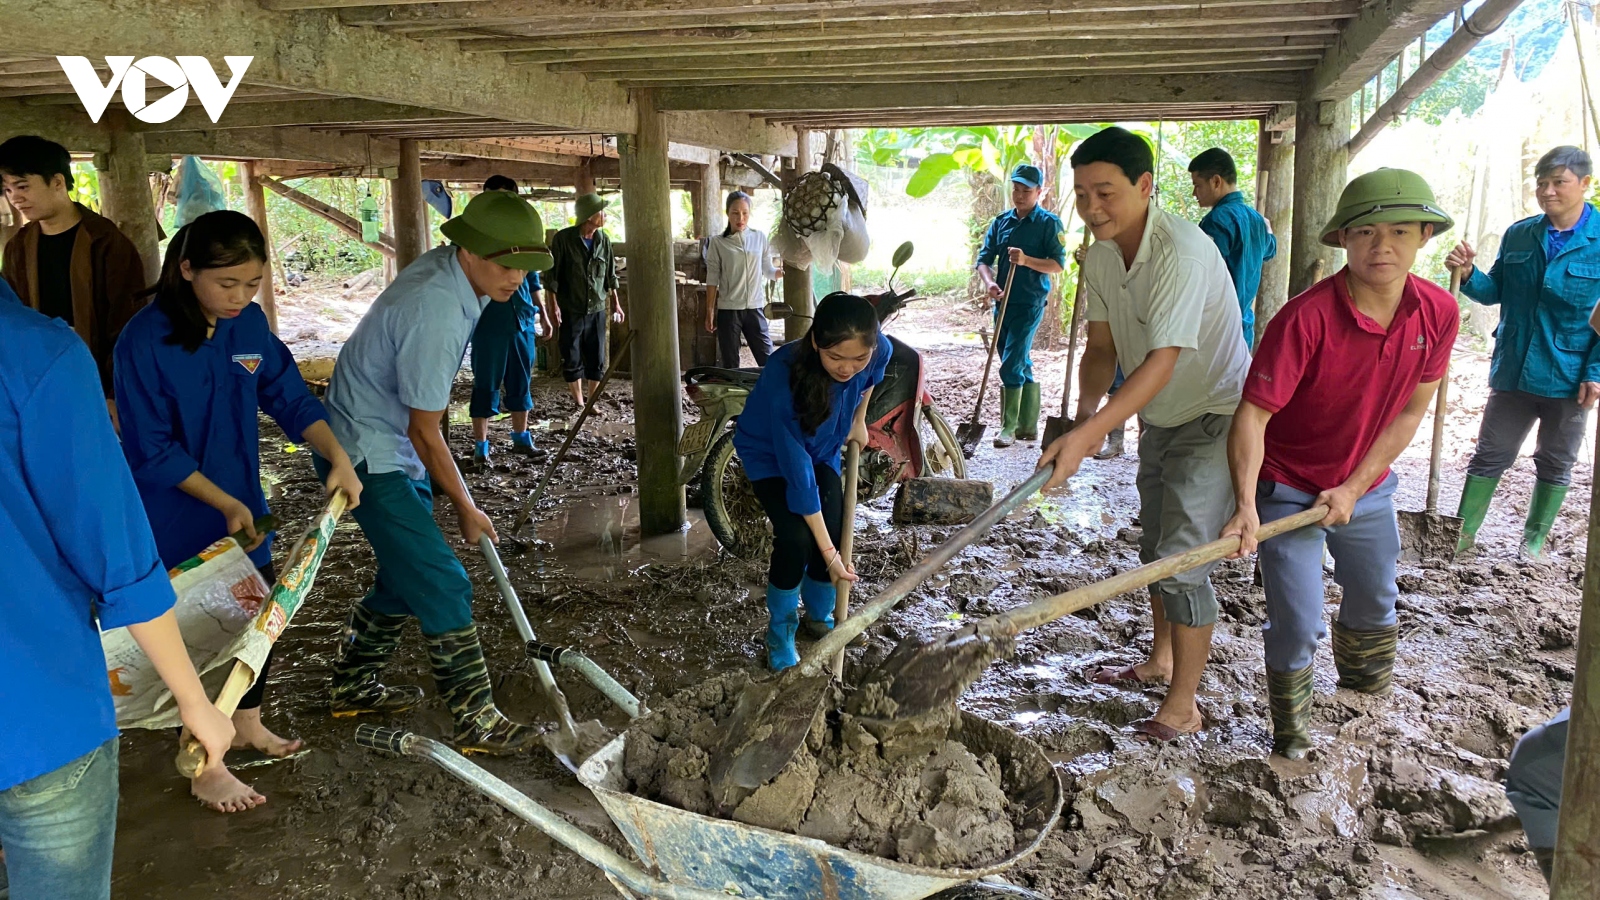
(250, 732)
(219, 789)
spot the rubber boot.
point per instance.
(1476, 493)
(1542, 509)
(463, 679)
(1028, 413)
(819, 598)
(1010, 408)
(480, 456)
(1289, 695)
(784, 608)
(522, 444)
(369, 640)
(1365, 659)
(1114, 444)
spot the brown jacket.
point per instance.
(107, 276)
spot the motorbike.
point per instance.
(907, 436)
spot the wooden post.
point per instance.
(708, 201)
(1320, 132)
(1275, 161)
(797, 281)
(1577, 866)
(390, 270)
(125, 197)
(653, 306)
(255, 201)
(583, 183)
(410, 229)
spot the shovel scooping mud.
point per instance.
(1427, 534)
(922, 677)
(773, 717)
(970, 435)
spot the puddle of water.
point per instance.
(594, 535)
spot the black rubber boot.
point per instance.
(369, 640)
(463, 679)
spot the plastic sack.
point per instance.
(200, 191)
(795, 251)
(855, 242)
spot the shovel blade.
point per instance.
(969, 436)
(573, 748)
(922, 676)
(1425, 535)
(769, 724)
(1054, 427)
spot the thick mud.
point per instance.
(1400, 798)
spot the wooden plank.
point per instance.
(984, 71)
(1370, 41)
(345, 222)
(311, 51)
(1577, 865)
(1216, 88)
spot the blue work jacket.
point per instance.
(1245, 242)
(1544, 345)
(1039, 235)
(185, 412)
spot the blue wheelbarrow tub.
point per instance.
(689, 849)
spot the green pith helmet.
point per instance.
(500, 226)
(588, 205)
(1385, 195)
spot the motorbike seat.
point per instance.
(716, 375)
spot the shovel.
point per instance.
(544, 480)
(1056, 426)
(773, 717)
(970, 435)
(920, 677)
(574, 742)
(847, 541)
(1427, 534)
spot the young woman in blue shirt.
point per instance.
(192, 372)
(811, 398)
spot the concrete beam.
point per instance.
(1220, 88)
(277, 114)
(311, 51)
(1370, 41)
(1219, 63)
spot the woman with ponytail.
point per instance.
(811, 398)
(192, 371)
(738, 265)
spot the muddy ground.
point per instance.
(1399, 800)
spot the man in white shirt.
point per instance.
(1162, 304)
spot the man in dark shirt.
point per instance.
(68, 262)
(581, 285)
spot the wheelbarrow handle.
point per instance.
(379, 737)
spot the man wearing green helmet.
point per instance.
(583, 279)
(1343, 376)
(389, 391)
(1546, 358)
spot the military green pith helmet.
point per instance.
(587, 206)
(503, 227)
(1386, 195)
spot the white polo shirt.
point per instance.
(1178, 294)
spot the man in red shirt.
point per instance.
(1337, 389)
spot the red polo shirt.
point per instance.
(1334, 379)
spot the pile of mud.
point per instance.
(923, 797)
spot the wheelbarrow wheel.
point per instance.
(984, 890)
(732, 511)
(947, 450)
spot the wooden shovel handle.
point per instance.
(999, 322)
(847, 541)
(1441, 406)
(1061, 605)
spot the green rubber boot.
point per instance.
(463, 679)
(1028, 413)
(1365, 659)
(369, 640)
(1010, 409)
(1542, 511)
(1289, 695)
(1475, 495)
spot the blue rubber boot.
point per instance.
(480, 456)
(820, 598)
(784, 608)
(522, 442)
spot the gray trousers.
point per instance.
(1507, 418)
(1185, 497)
(1365, 551)
(1533, 783)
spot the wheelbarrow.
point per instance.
(687, 856)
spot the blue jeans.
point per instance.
(58, 829)
(1533, 782)
(1364, 550)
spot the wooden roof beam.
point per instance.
(1060, 90)
(312, 51)
(984, 71)
(1370, 41)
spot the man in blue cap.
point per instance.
(1033, 240)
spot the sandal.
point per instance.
(1127, 675)
(1160, 732)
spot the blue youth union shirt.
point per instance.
(1040, 235)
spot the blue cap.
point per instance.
(1028, 175)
